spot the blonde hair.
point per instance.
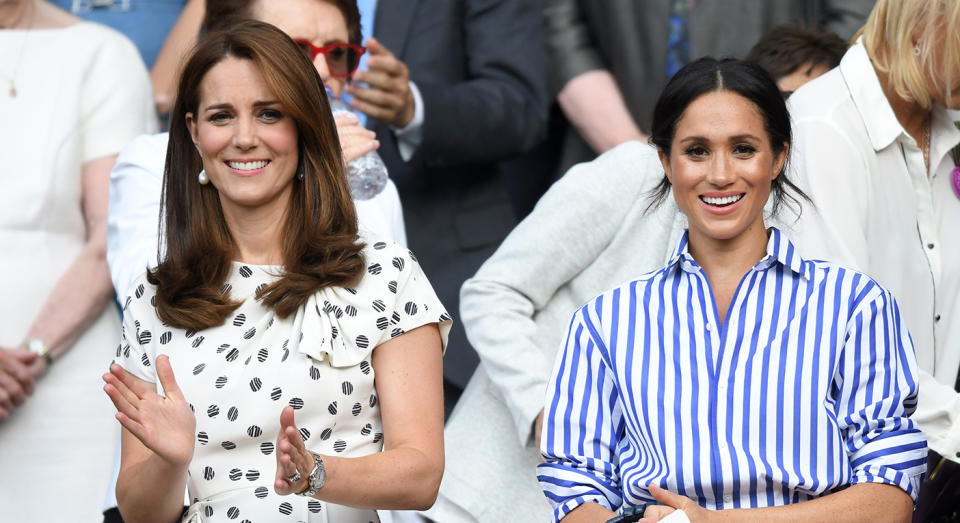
(889, 38)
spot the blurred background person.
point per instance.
(72, 94)
(163, 31)
(793, 55)
(876, 150)
(265, 261)
(453, 88)
(608, 61)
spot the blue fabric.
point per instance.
(678, 42)
(803, 389)
(368, 11)
(146, 23)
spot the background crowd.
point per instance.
(517, 139)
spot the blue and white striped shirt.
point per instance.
(805, 389)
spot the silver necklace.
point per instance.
(16, 68)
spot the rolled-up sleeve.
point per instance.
(582, 426)
(875, 392)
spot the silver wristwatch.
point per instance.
(317, 477)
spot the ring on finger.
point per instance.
(294, 478)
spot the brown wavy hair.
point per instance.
(320, 246)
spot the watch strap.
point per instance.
(317, 477)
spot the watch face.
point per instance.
(36, 345)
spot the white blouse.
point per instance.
(877, 210)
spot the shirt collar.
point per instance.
(864, 85)
(878, 117)
(779, 250)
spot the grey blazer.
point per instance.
(479, 66)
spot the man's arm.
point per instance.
(500, 109)
(587, 93)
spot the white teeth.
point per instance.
(725, 200)
(248, 166)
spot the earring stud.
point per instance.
(300, 175)
(203, 178)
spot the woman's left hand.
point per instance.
(671, 502)
(292, 456)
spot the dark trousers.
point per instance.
(939, 499)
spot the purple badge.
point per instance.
(955, 178)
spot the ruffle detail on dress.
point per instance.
(330, 328)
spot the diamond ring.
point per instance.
(294, 478)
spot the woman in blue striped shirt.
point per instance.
(740, 378)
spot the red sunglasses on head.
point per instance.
(342, 59)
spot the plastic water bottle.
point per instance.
(366, 175)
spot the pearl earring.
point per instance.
(300, 175)
(203, 178)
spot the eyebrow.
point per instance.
(736, 138)
(262, 103)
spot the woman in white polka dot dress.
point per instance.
(248, 360)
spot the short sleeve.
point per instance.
(414, 301)
(137, 352)
(115, 95)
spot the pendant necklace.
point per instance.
(16, 68)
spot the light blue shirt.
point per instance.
(803, 390)
(368, 17)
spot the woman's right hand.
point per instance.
(164, 424)
(355, 139)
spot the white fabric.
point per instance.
(677, 516)
(410, 135)
(83, 92)
(132, 224)
(880, 212)
(240, 375)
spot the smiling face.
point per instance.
(315, 21)
(246, 141)
(721, 166)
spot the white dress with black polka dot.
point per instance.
(239, 376)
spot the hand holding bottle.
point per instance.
(355, 139)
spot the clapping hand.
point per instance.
(16, 379)
(388, 97)
(164, 424)
(292, 457)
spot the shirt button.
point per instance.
(930, 246)
(728, 498)
(936, 318)
(709, 326)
